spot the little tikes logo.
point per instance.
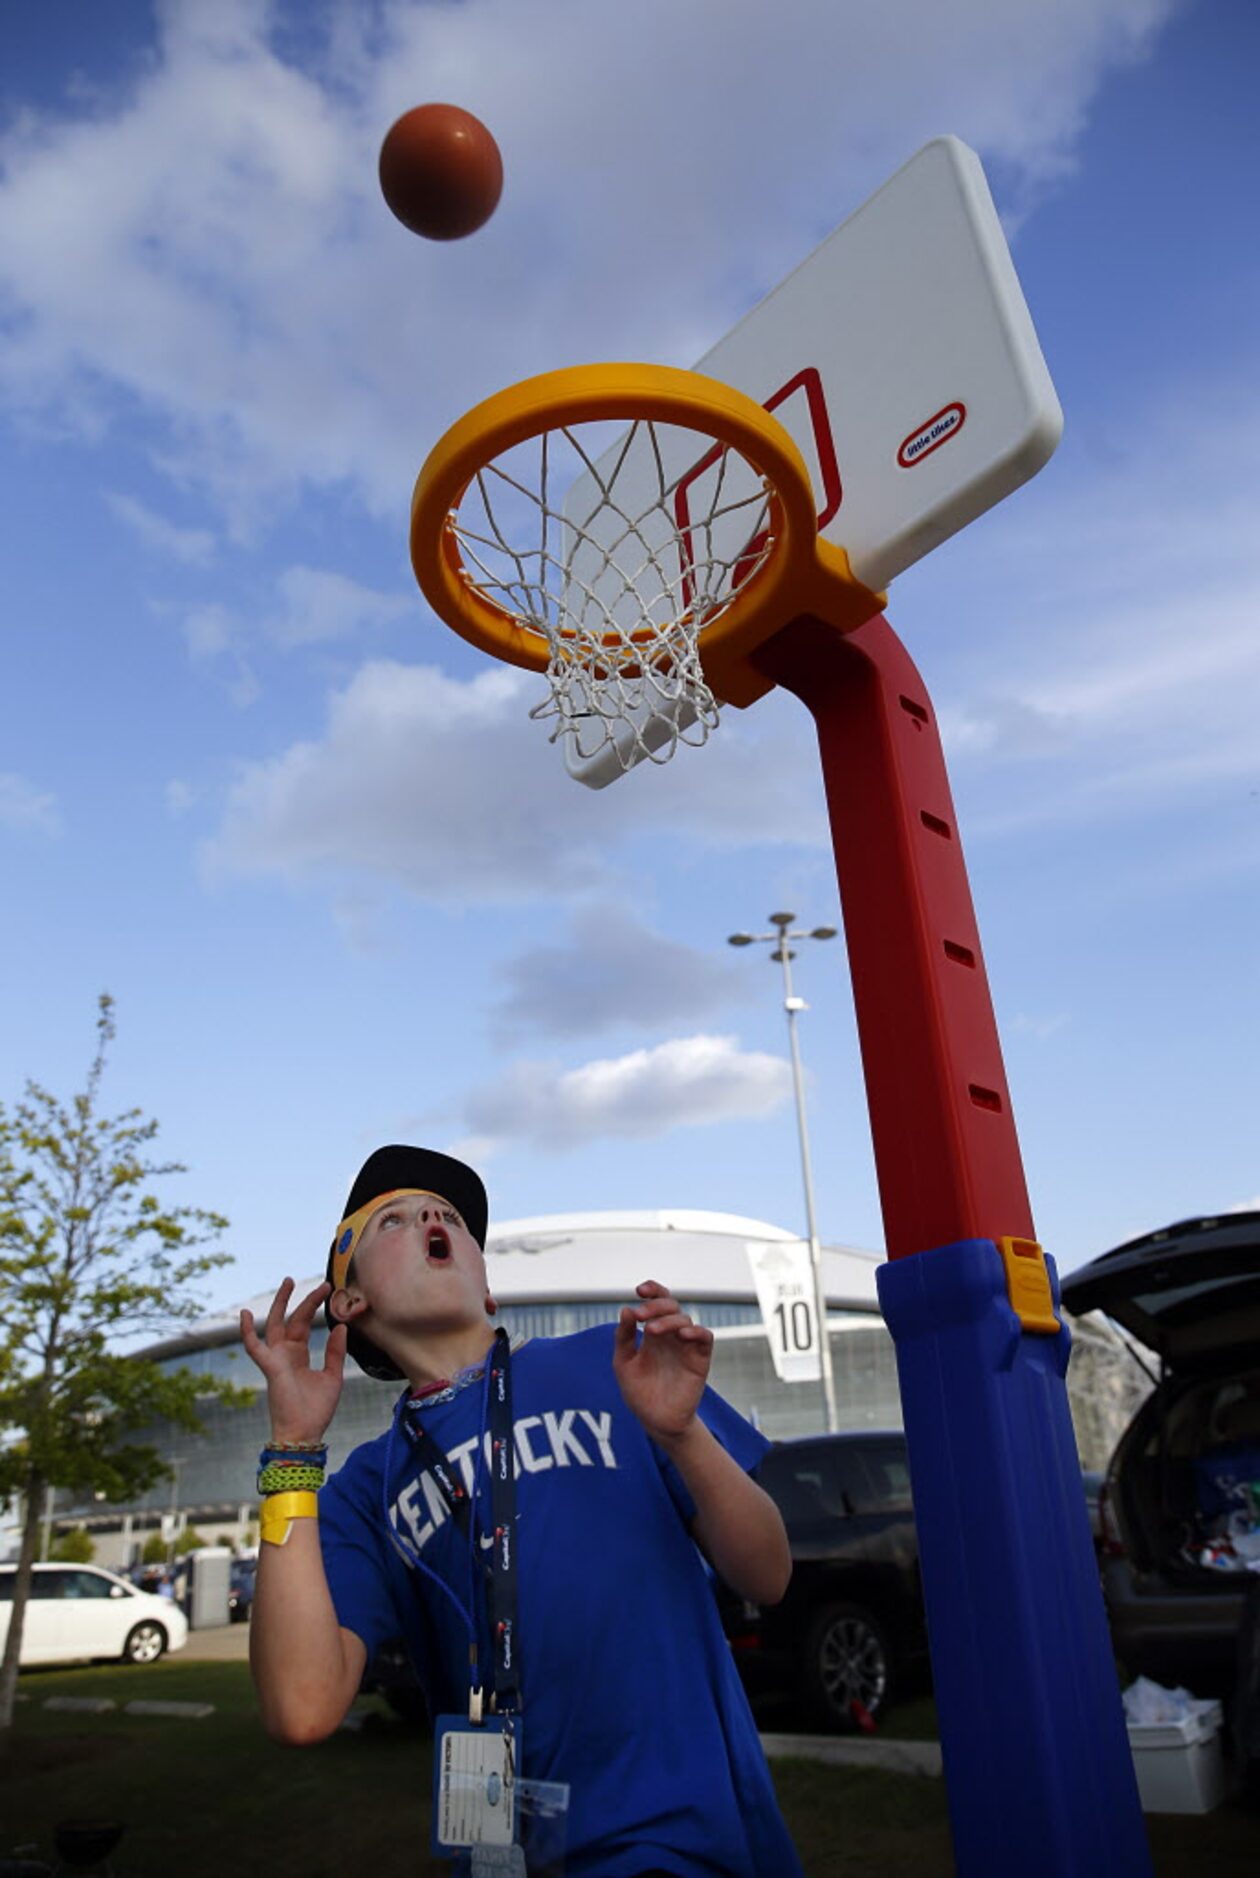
(931, 435)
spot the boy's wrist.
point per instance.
(680, 1441)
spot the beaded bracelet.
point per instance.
(277, 1476)
(306, 1454)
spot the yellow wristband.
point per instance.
(278, 1512)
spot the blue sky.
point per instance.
(336, 881)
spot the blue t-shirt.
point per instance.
(628, 1691)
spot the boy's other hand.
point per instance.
(661, 1374)
(302, 1400)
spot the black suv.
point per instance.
(851, 1627)
(1181, 1500)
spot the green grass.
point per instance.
(911, 1720)
(215, 1796)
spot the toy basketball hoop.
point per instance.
(639, 581)
(732, 539)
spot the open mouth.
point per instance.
(437, 1246)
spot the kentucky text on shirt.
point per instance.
(564, 1438)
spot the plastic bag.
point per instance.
(1245, 1536)
(1147, 1702)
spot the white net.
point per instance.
(619, 556)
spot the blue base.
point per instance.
(1037, 1759)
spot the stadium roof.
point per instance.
(564, 1257)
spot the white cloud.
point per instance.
(612, 971)
(319, 605)
(254, 296)
(686, 1082)
(439, 785)
(26, 809)
(180, 796)
(445, 787)
(192, 546)
(215, 637)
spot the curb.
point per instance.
(898, 1757)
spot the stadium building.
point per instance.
(551, 1276)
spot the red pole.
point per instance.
(946, 1151)
(1037, 1761)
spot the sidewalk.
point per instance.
(899, 1757)
(229, 1643)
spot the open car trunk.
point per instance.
(1186, 1482)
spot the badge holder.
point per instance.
(475, 1802)
(485, 1816)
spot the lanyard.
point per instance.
(499, 1572)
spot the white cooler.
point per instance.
(1179, 1765)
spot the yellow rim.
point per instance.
(589, 394)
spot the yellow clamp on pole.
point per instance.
(278, 1512)
(1028, 1285)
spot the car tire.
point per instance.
(146, 1641)
(845, 1660)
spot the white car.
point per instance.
(79, 1611)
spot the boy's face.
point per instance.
(417, 1267)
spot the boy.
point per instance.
(597, 1627)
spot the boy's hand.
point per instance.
(662, 1374)
(302, 1400)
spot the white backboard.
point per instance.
(901, 357)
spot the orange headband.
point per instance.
(348, 1234)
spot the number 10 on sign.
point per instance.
(784, 1279)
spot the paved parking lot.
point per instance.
(226, 1643)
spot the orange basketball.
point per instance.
(441, 171)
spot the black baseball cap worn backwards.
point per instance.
(404, 1169)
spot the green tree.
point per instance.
(76, 1547)
(187, 1541)
(90, 1256)
(154, 1550)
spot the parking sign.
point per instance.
(784, 1279)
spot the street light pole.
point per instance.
(792, 1005)
(175, 1466)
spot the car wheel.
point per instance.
(145, 1643)
(846, 1661)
